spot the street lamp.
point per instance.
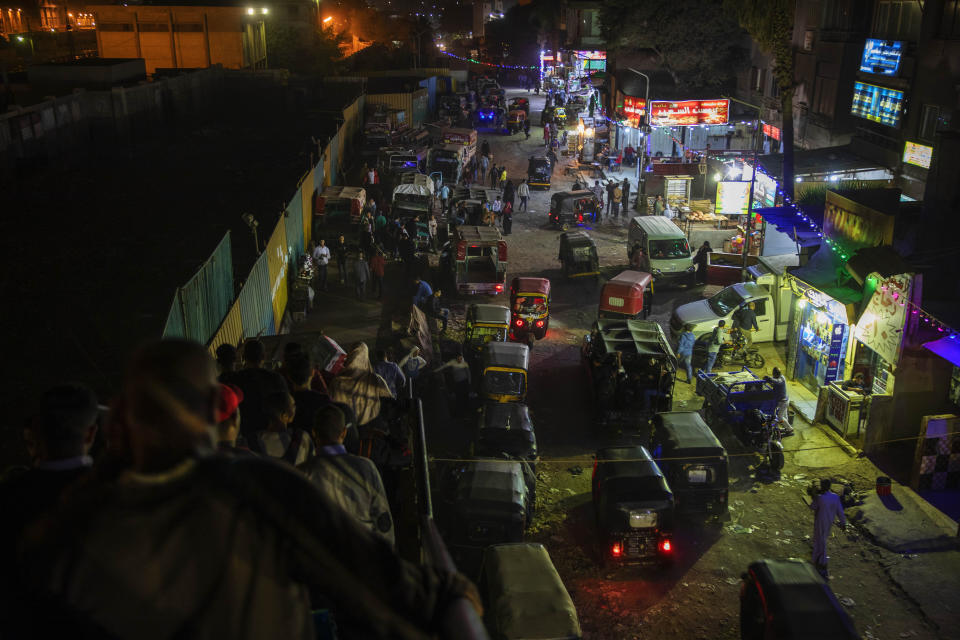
(644, 127)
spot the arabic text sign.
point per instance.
(687, 112)
(634, 109)
(881, 56)
(919, 155)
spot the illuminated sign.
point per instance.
(917, 154)
(634, 109)
(668, 114)
(733, 197)
(771, 131)
(879, 104)
(881, 57)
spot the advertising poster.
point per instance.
(882, 323)
(836, 352)
(919, 155)
(686, 112)
(733, 197)
(633, 109)
(878, 104)
(881, 57)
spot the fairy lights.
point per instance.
(488, 64)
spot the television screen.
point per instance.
(879, 104)
(917, 154)
(881, 57)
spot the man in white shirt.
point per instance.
(321, 257)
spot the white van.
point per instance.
(666, 246)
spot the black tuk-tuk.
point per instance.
(493, 502)
(523, 595)
(506, 429)
(539, 172)
(503, 371)
(578, 255)
(633, 506)
(572, 208)
(789, 600)
(485, 323)
(692, 459)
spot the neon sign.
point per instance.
(686, 112)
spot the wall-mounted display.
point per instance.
(878, 104)
(918, 155)
(881, 57)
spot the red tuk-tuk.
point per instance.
(628, 295)
(529, 309)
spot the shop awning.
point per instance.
(883, 260)
(825, 272)
(786, 221)
(810, 162)
(947, 348)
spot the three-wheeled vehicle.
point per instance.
(520, 103)
(492, 119)
(628, 295)
(578, 255)
(633, 506)
(693, 461)
(503, 371)
(631, 370)
(505, 428)
(523, 595)
(484, 323)
(338, 206)
(573, 208)
(530, 309)
(789, 600)
(539, 172)
(515, 120)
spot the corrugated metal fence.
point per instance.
(200, 305)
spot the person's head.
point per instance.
(706, 244)
(279, 408)
(416, 280)
(437, 293)
(253, 352)
(858, 377)
(688, 328)
(300, 370)
(341, 240)
(65, 424)
(459, 357)
(168, 404)
(596, 183)
(776, 372)
(322, 242)
(722, 324)
(226, 357)
(228, 414)
(329, 426)
(825, 485)
(381, 355)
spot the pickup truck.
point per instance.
(704, 314)
(474, 261)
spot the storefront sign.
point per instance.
(771, 131)
(669, 114)
(818, 299)
(878, 104)
(918, 155)
(835, 355)
(882, 323)
(592, 61)
(881, 57)
(733, 197)
(634, 109)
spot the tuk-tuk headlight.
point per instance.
(691, 268)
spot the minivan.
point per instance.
(666, 246)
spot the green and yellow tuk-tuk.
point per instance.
(503, 371)
(485, 323)
(515, 120)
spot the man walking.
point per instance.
(685, 350)
(610, 210)
(617, 195)
(526, 128)
(340, 251)
(378, 267)
(783, 402)
(321, 257)
(625, 190)
(827, 508)
(361, 272)
(523, 191)
(745, 319)
(713, 345)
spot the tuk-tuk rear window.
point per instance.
(699, 473)
(482, 335)
(504, 382)
(530, 304)
(475, 251)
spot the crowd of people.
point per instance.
(217, 499)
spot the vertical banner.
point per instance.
(836, 353)
(277, 265)
(306, 193)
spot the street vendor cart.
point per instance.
(728, 396)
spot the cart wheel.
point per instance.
(754, 360)
(776, 456)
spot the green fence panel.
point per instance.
(207, 296)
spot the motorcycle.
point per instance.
(738, 352)
(764, 434)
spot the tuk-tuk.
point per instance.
(789, 600)
(578, 255)
(339, 205)
(492, 119)
(627, 295)
(515, 120)
(503, 372)
(633, 506)
(693, 460)
(520, 103)
(573, 208)
(506, 429)
(485, 323)
(530, 308)
(539, 172)
(560, 116)
(523, 595)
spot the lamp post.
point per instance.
(747, 227)
(644, 128)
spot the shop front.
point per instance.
(819, 336)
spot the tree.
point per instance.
(303, 49)
(696, 41)
(770, 24)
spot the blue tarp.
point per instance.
(785, 219)
(947, 348)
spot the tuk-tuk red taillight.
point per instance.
(539, 324)
(519, 322)
(666, 546)
(616, 550)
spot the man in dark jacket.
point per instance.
(256, 383)
(625, 188)
(745, 319)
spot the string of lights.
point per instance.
(488, 64)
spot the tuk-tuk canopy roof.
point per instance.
(637, 280)
(530, 285)
(526, 595)
(685, 431)
(347, 193)
(577, 239)
(537, 161)
(493, 481)
(415, 183)
(413, 190)
(504, 416)
(627, 462)
(634, 337)
(490, 314)
(512, 355)
(802, 604)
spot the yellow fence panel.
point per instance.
(306, 192)
(277, 266)
(231, 331)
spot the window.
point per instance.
(928, 122)
(808, 40)
(897, 20)
(115, 26)
(760, 307)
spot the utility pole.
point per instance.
(644, 131)
(748, 225)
